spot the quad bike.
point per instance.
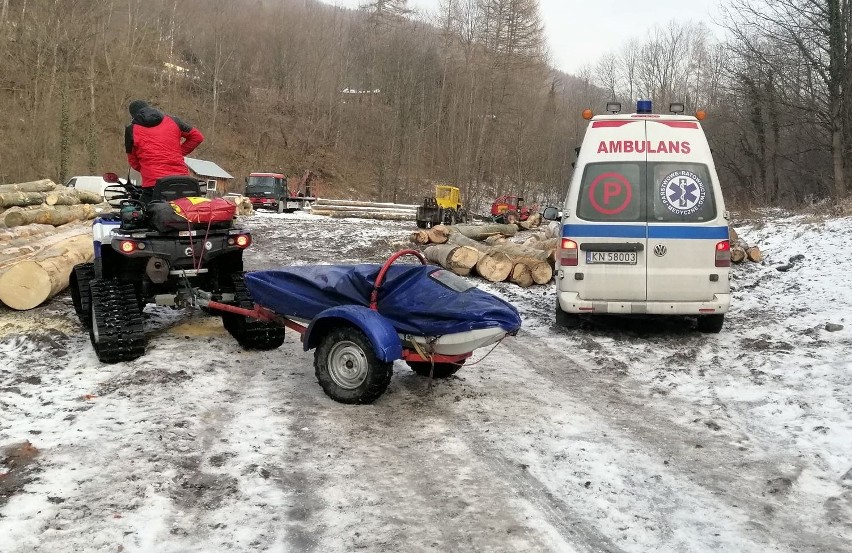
(137, 264)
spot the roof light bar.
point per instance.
(644, 106)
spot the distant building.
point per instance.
(217, 179)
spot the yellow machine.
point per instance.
(444, 207)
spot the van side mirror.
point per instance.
(551, 213)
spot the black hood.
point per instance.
(148, 117)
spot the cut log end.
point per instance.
(24, 286)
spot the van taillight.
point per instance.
(723, 254)
(568, 256)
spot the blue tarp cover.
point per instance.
(418, 300)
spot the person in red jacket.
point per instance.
(156, 144)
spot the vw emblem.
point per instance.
(660, 250)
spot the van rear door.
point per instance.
(609, 227)
(682, 213)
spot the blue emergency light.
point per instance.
(644, 106)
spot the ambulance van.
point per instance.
(644, 226)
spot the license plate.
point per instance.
(624, 258)
(292, 205)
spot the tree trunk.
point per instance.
(8, 235)
(459, 260)
(494, 266)
(420, 237)
(52, 215)
(521, 276)
(516, 250)
(738, 254)
(496, 239)
(540, 271)
(44, 185)
(372, 215)
(462, 240)
(26, 247)
(754, 254)
(20, 199)
(439, 234)
(533, 221)
(355, 203)
(359, 209)
(29, 283)
(481, 232)
(72, 197)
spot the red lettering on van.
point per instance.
(602, 148)
(615, 146)
(684, 147)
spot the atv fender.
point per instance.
(380, 332)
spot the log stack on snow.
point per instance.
(349, 209)
(741, 251)
(495, 252)
(43, 234)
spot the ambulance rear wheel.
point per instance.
(711, 324)
(567, 320)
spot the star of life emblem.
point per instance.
(683, 192)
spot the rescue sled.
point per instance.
(361, 318)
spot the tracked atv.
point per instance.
(138, 262)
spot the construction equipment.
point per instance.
(443, 208)
(272, 191)
(511, 209)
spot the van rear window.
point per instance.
(646, 192)
(612, 192)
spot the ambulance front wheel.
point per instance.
(567, 320)
(711, 324)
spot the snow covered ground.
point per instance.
(624, 436)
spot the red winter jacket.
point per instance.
(154, 147)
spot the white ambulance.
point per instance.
(644, 226)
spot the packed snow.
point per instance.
(626, 435)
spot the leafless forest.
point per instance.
(383, 102)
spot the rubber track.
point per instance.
(121, 334)
(83, 274)
(250, 333)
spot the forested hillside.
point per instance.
(383, 105)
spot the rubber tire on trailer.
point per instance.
(711, 324)
(347, 367)
(117, 332)
(81, 276)
(250, 333)
(442, 370)
(565, 320)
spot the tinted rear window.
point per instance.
(638, 192)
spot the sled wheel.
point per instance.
(81, 276)
(442, 370)
(116, 330)
(347, 367)
(711, 324)
(565, 320)
(250, 333)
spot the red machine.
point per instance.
(511, 209)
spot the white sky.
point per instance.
(580, 32)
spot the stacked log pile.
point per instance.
(43, 234)
(741, 251)
(349, 209)
(490, 252)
